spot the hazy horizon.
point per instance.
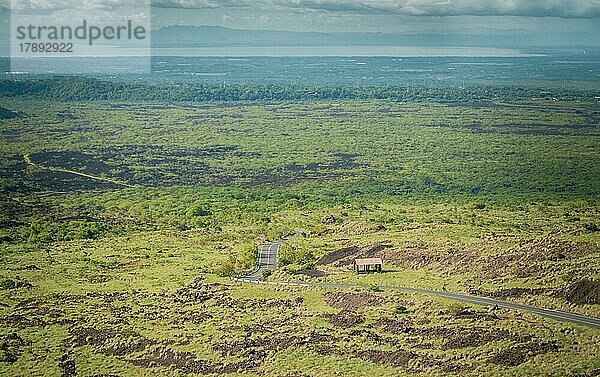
(497, 23)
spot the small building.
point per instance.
(364, 266)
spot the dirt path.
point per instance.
(27, 159)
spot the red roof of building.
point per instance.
(368, 261)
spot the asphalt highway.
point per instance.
(268, 261)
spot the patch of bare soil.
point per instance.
(553, 249)
(37, 312)
(197, 292)
(126, 346)
(520, 353)
(345, 319)
(253, 346)
(84, 336)
(22, 321)
(193, 317)
(110, 297)
(474, 338)
(11, 346)
(352, 301)
(489, 260)
(187, 363)
(334, 256)
(345, 256)
(107, 341)
(476, 315)
(328, 344)
(313, 273)
(236, 346)
(271, 303)
(369, 335)
(452, 337)
(583, 291)
(397, 358)
(394, 326)
(514, 292)
(40, 311)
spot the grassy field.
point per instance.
(121, 224)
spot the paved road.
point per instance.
(268, 261)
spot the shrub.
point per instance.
(246, 256)
(456, 308)
(241, 259)
(225, 269)
(267, 273)
(42, 232)
(300, 254)
(566, 277)
(198, 210)
(7, 284)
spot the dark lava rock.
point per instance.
(583, 291)
(10, 347)
(67, 366)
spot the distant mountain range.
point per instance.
(218, 36)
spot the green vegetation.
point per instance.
(119, 207)
(297, 251)
(241, 259)
(86, 89)
(7, 114)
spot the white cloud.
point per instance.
(189, 4)
(534, 8)
(203, 4)
(51, 5)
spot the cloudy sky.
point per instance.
(548, 22)
(536, 8)
(580, 19)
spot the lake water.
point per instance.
(443, 66)
(339, 51)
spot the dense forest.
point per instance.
(69, 88)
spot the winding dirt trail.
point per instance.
(27, 159)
